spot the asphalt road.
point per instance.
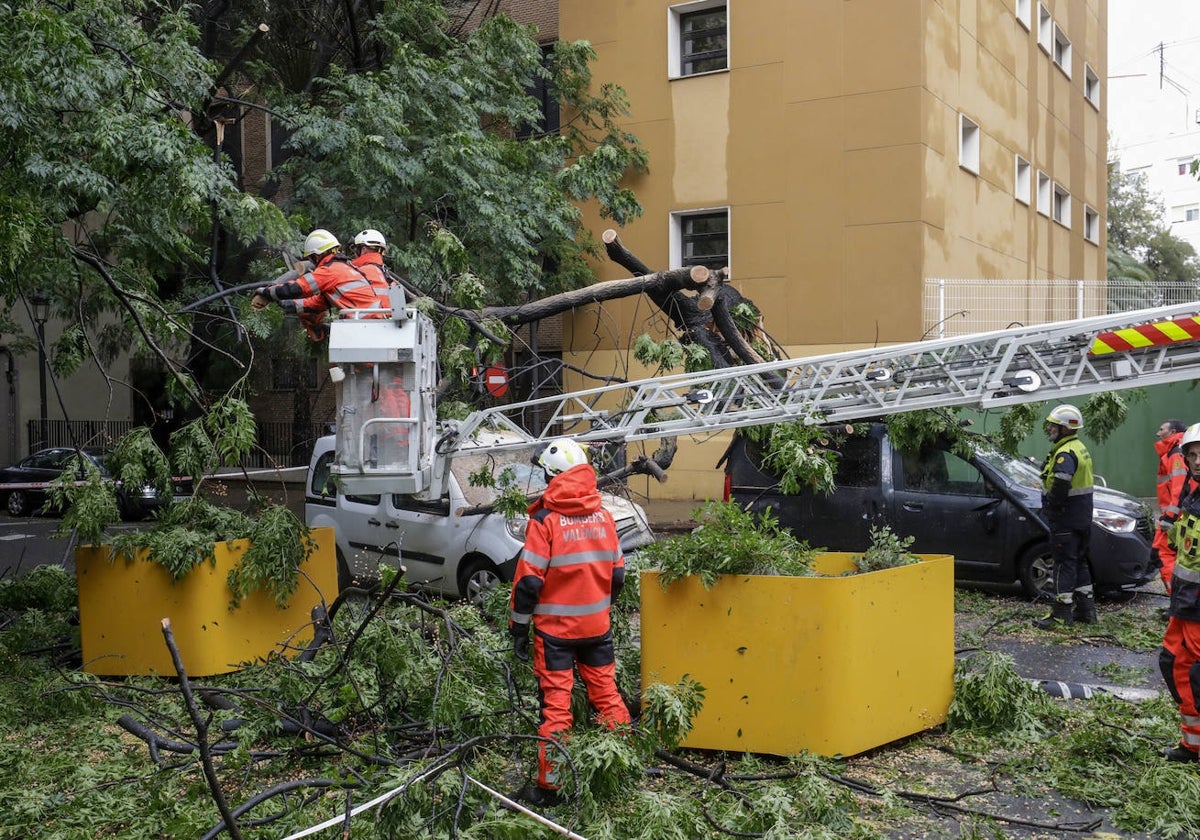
(29, 541)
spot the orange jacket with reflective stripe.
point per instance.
(334, 282)
(370, 263)
(1172, 475)
(571, 568)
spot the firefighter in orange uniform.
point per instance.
(334, 281)
(370, 246)
(1179, 659)
(568, 575)
(1172, 475)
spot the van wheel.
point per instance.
(476, 578)
(1036, 570)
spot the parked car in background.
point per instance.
(442, 545)
(985, 510)
(25, 486)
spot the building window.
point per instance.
(968, 144)
(1185, 167)
(289, 373)
(1022, 183)
(1061, 206)
(1045, 29)
(1187, 213)
(1043, 193)
(700, 238)
(699, 38)
(547, 99)
(1062, 50)
(1091, 85)
(1091, 225)
(1025, 12)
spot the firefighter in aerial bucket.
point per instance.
(568, 575)
(333, 281)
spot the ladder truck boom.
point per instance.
(1054, 361)
(986, 370)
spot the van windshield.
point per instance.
(1019, 469)
(528, 478)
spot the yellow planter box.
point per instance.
(832, 665)
(122, 604)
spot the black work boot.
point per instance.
(1179, 753)
(1061, 615)
(1085, 608)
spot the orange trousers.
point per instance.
(1179, 661)
(554, 664)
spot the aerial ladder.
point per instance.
(1056, 361)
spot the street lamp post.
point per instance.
(41, 313)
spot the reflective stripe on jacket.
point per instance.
(1069, 461)
(1172, 474)
(370, 263)
(334, 282)
(571, 567)
(1185, 537)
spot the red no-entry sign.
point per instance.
(495, 380)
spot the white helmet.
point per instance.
(1066, 415)
(319, 242)
(1190, 436)
(371, 238)
(558, 456)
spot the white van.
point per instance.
(441, 548)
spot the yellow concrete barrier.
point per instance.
(832, 665)
(122, 604)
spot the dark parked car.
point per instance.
(24, 487)
(986, 511)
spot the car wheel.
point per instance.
(17, 503)
(476, 578)
(1036, 571)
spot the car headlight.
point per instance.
(1111, 520)
(516, 527)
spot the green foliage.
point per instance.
(609, 765)
(914, 431)
(1103, 413)
(279, 544)
(88, 500)
(434, 128)
(728, 541)
(802, 456)
(887, 551)
(668, 710)
(990, 697)
(136, 460)
(42, 587)
(510, 498)
(664, 356)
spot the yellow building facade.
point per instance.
(858, 148)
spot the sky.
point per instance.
(1142, 105)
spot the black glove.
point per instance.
(520, 637)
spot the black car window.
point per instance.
(365, 500)
(858, 463)
(935, 470)
(438, 507)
